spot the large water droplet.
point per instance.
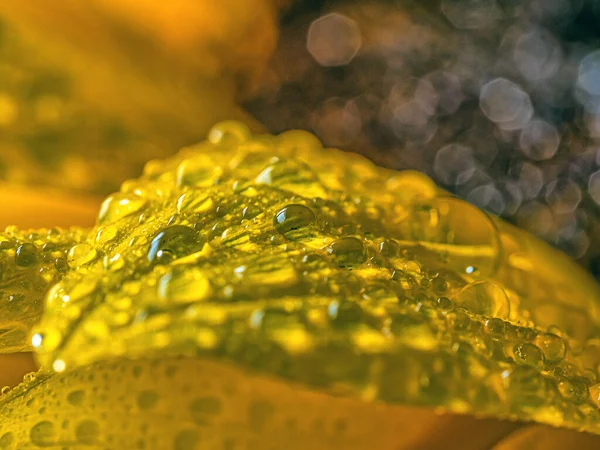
(26, 255)
(485, 298)
(229, 131)
(175, 241)
(81, 254)
(438, 227)
(118, 206)
(292, 221)
(347, 252)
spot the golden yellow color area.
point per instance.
(261, 292)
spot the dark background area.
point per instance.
(498, 101)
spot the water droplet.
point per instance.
(293, 220)
(293, 142)
(552, 346)
(347, 252)
(43, 434)
(229, 131)
(444, 303)
(184, 285)
(333, 40)
(118, 206)
(485, 298)
(26, 255)
(529, 354)
(438, 228)
(175, 241)
(81, 254)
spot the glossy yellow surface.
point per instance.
(259, 291)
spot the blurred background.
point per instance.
(497, 100)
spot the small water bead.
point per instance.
(229, 132)
(26, 255)
(43, 434)
(496, 327)
(292, 221)
(5, 390)
(81, 254)
(553, 347)
(485, 298)
(444, 303)
(118, 206)
(347, 252)
(294, 141)
(529, 354)
(174, 241)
